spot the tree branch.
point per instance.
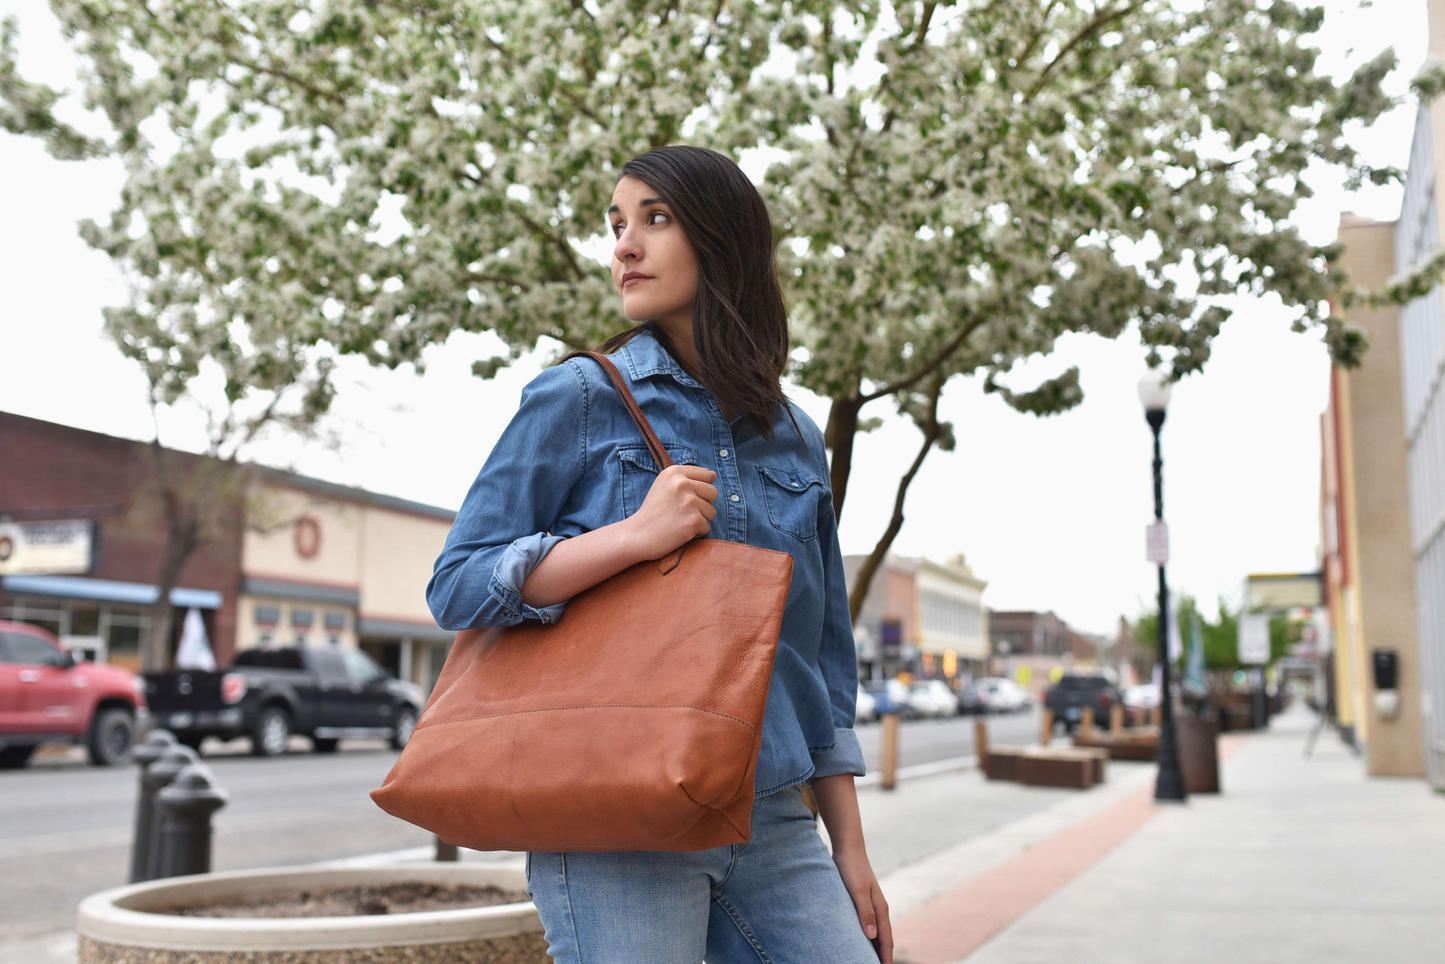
(947, 352)
(1100, 21)
(931, 433)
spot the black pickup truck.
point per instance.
(268, 694)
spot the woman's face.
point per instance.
(653, 263)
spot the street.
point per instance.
(65, 827)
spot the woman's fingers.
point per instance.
(885, 927)
(866, 915)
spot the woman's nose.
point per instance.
(627, 248)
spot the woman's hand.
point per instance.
(678, 507)
(862, 886)
(837, 799)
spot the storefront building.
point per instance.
(921, 617)
(102, 490)
(287, 560)
(326, 564)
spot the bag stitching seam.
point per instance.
(594, 706)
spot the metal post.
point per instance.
(889, 748)
(148, 751)
(158, 776)
(445, 851)
(1170, 783)
(186, 806)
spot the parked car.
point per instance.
(867, 706)
(1139, 701)
(1004, 695)
(973, 698)
(325, 693)
(1068, 697)
(890, 696)
(46, 696)
(932, 698)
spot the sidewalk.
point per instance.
(1299, 860)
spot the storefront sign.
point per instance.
(47, 548)
(1254, 639)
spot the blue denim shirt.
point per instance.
(572, 460)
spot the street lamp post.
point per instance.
(1154, 394)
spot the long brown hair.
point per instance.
(739, 321)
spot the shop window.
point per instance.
(268, 616)
(335, 622)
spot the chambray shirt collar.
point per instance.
(646, 357)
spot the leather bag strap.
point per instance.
(659, 454)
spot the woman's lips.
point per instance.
(629, 282)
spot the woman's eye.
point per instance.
(616, 229)
(655, 214)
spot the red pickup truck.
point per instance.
(47, 697)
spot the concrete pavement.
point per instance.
(1298, 860)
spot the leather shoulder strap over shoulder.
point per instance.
(659, 454)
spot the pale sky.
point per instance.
(1050, 511)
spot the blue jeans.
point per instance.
(776, 899)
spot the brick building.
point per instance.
(286, 559)
(54, 472)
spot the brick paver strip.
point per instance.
(960, 921)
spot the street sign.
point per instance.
(1158, 542)
(46, 548)
(1254, 639)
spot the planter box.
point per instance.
(120, 926)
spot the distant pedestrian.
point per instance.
(569, 497)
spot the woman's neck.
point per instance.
(679, 337)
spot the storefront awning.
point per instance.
(109, 590)
(372, 628)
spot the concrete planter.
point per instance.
(120, 926)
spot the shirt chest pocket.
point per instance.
(792, 500)
(639, 470)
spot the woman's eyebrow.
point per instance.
(645, 202)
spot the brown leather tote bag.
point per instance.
(633, 723)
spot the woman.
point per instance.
(571, 496)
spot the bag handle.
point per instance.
(673, 559)
(659, 454)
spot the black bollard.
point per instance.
(186, 806)
(148, 751)
(157, 776)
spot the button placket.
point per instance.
(729, 481)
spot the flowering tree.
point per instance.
(965, 182)
(959, 184)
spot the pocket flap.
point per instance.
(638, 456)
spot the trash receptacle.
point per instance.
(1199, 753)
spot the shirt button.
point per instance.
(735, 497)
(724, 453)
(795, 485)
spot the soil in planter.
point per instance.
(403, 898)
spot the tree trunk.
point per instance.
(864, 577)
(842, 430)
(183, 532)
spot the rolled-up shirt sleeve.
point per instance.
(503, 530)
(837, 655)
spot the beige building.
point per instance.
(1365, 521)
(325, 564)
(921, 616)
